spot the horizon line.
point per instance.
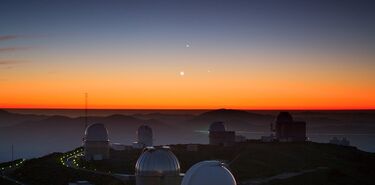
(197, 109)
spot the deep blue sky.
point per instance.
(331, 23)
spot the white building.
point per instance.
(118, 146)
(96, 142)
(218, 135)
(144, 137)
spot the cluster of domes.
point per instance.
(158, 165)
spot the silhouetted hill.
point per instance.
(46, 170)
(43, 134)
(120, 117)
(229, 114)
(251, 162)
(234, 119)
(166, 118)
(9, 118)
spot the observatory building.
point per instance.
(219, 136)
(144, 137)
(208, 172)
(157, 166)
(96, 142)
(286, 129)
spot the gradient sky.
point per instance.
(234, 54)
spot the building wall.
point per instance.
(222, 138)
(291, 131)
(158, 180)
(93, 149)
(145, 139)
(145, 136)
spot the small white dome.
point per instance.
(208, 172)
(157, 162)
(96, 132)
(217, 127)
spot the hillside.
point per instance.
(42, 135)
(47, 170)
(321, 164)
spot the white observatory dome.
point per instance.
(96, 132)
(208, 172)
(157, 162)
(217, 127)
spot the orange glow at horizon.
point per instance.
(210, 82)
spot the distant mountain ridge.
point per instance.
(229, 113)
(41, 133)
(8, 118)
(233, 119)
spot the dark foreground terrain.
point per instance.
(251, 162)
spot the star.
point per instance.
(182, 73)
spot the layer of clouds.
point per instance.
(12, 37)
(11, 49)
(10, 62)
(14, 48)
(8, 37)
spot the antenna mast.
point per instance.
(86, 101)
(12, 152)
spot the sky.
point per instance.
(251, 54)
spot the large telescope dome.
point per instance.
(208, 172)
(157, 162)
(217, 127)
(96, 132)
(284, 117)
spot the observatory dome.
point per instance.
(144, 134)
(157, 162)
(144, 130)
(208, 172)
(217, 127)
(96, 132)
(284, 117)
